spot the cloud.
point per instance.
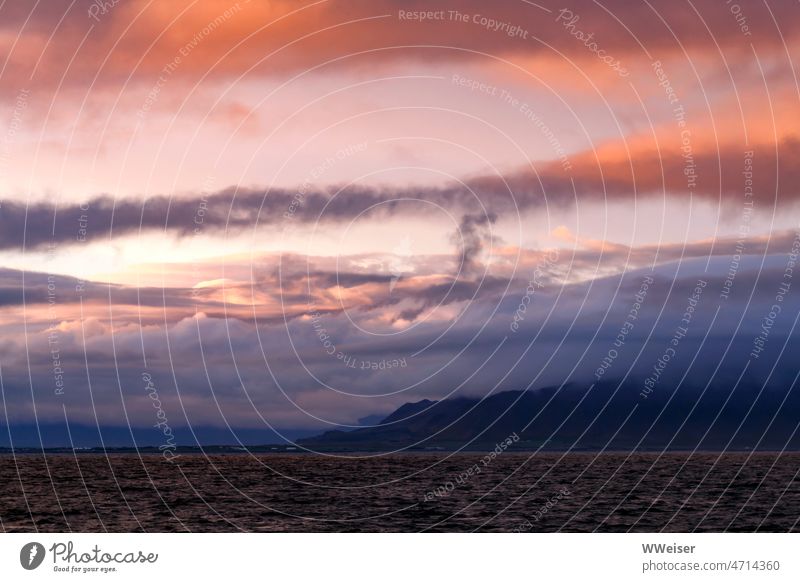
(273, 288)
(278, 37)
(720, 177)
(39, 224)
(473, 230)
(279, 371)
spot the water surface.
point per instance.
(401, 493)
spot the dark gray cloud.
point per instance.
(775, 175)
(231, 210)
(470, 237)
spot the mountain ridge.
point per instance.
(607, 415)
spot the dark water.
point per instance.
(586, 492)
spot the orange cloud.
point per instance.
(139, 40)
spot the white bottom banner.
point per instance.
(399, 557)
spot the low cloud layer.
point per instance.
(355, 347)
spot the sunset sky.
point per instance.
(296, 215)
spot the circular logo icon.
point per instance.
(31, 555)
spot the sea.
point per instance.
(406, 492)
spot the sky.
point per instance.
(297, 216)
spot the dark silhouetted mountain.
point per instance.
(606, 416)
